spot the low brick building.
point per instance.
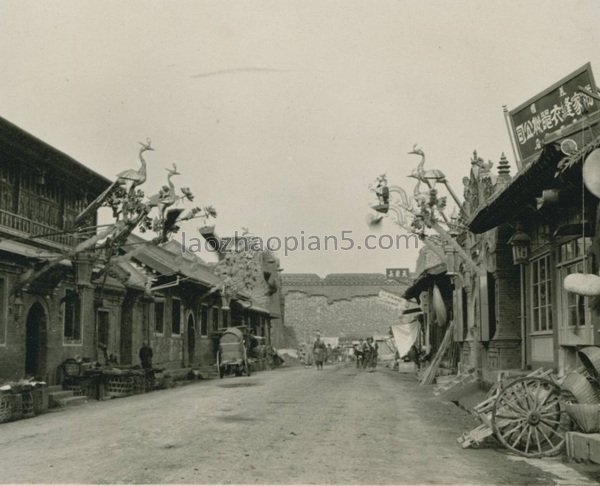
(340, 304)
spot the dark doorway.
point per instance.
(126, 345)
(103, 327)
(191, 339)
(36, 342)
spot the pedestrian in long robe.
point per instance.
(319, 352)
(374, 352)
(358, 353)
(366, 360)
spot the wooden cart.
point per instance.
(525, 415)
(232, 353)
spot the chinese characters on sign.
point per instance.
(558, 107)
(397, 273)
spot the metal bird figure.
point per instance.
(137, 177)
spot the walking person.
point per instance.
(358, 353)
(374, 352)
(319, 352)
(366, 360)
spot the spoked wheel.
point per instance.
(526, 417)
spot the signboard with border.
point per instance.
(556, 108)
(392, 300)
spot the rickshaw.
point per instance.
(232, 353)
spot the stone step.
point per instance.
(55, 398)
(207, 372)
(72, 401)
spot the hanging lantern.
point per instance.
(520, 247)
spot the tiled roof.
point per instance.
(341, 286)
(16, 140)
(169, 263)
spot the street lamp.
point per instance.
(520, 246)
(520, 249)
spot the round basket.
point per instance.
(590, 357)
(580, 388)
(586, 416)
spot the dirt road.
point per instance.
(287, 426)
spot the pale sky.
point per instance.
(280, 113)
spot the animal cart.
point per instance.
(232, 353)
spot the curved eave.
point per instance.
(424, 280)
(521, 191)
(18, 141)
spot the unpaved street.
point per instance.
(289, 426)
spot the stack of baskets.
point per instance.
(586, 412)
(119, 386)
(581, 389)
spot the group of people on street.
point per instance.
(365, 352)
(320, 353)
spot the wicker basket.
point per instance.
(586, 416)
(580, 388)
(590, 357)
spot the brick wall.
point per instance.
(360, 315)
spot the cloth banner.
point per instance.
(405, 335)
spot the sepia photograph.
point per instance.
(332, 242)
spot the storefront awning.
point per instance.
(424, 280)
(28, 251)
(520, 193)
(250, 306)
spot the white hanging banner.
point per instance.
(405, 335)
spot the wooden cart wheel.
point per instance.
(219, 367)
(526, 417)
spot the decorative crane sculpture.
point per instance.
(130, 212)
(137, 177)
(428, 211)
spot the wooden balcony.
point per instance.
(26, 228)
